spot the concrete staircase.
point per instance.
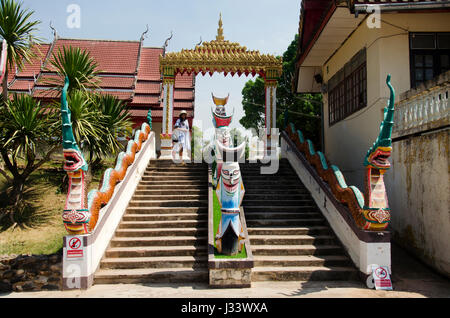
(290, 238)
(162, 237)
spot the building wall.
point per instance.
(418, 182)
(419, 197)
(347, 141)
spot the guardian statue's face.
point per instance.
(220, 110)
(224, 137)
(231, 177)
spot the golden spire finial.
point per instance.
(220, 36)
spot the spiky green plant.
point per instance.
(27, 129)
(77, 65)
(17, 28)
(116, 121)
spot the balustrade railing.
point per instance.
(425, 107)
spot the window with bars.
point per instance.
(348, 89)
(429, 56)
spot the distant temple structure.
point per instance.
(128, 71)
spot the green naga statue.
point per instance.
(376, 162)
(76, 215)
(371, 210)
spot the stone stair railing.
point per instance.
(424, 108)
(88, 249)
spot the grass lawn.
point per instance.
(42, 230)
(217, 215)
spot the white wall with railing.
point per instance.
(430, 106)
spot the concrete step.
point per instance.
(149, 251)
(151, 275)
(157, 232)
(269, 185)
(301, 260)
(164, 210)
(161, 224)
(277, 196)
(282, 250)
(283, 202)
(289, 230)
(163, 193)
(180, 196)
(292, 239)
(155, 262)
(251, 215)
(158, 241)
(275, 191)
(165, 217)
(175, 178)
(171, 187)
(176, 170)
(278, 208)
(285, 222)
(167, 203)
(192, 183)
(303, 273)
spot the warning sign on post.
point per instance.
(75, 248)
(381, 277)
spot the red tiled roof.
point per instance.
(183, 81)
(147, 87)
(118, 94)
(145, 99)
(33, 68)
(46, 93)
(116, 57)
(116, 82)
(149, 64)
(156, 113)
(22, 85)
(183, 105)
(183, 94)
(118, 61)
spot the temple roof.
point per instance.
(128, 71)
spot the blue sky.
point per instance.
(265, 25)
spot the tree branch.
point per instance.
(5, 175)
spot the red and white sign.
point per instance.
(75, 248)
(381, 277)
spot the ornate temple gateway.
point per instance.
(221, 56)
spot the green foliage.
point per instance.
(17, 29)
(303, 109)
(97, 122)
(77, 65)
(115, 121)
(25, 125)
(253, 101)
(26, 128)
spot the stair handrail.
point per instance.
(344, 211)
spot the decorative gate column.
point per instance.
(166, 133)
(271, 106)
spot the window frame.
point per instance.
(436, 52)
(347, 91)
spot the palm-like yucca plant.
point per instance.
(16, 27)
(116, 121)
(27, 128)
(86, 122)
(77, 65)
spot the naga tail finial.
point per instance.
(386, 126)
(74, 157)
